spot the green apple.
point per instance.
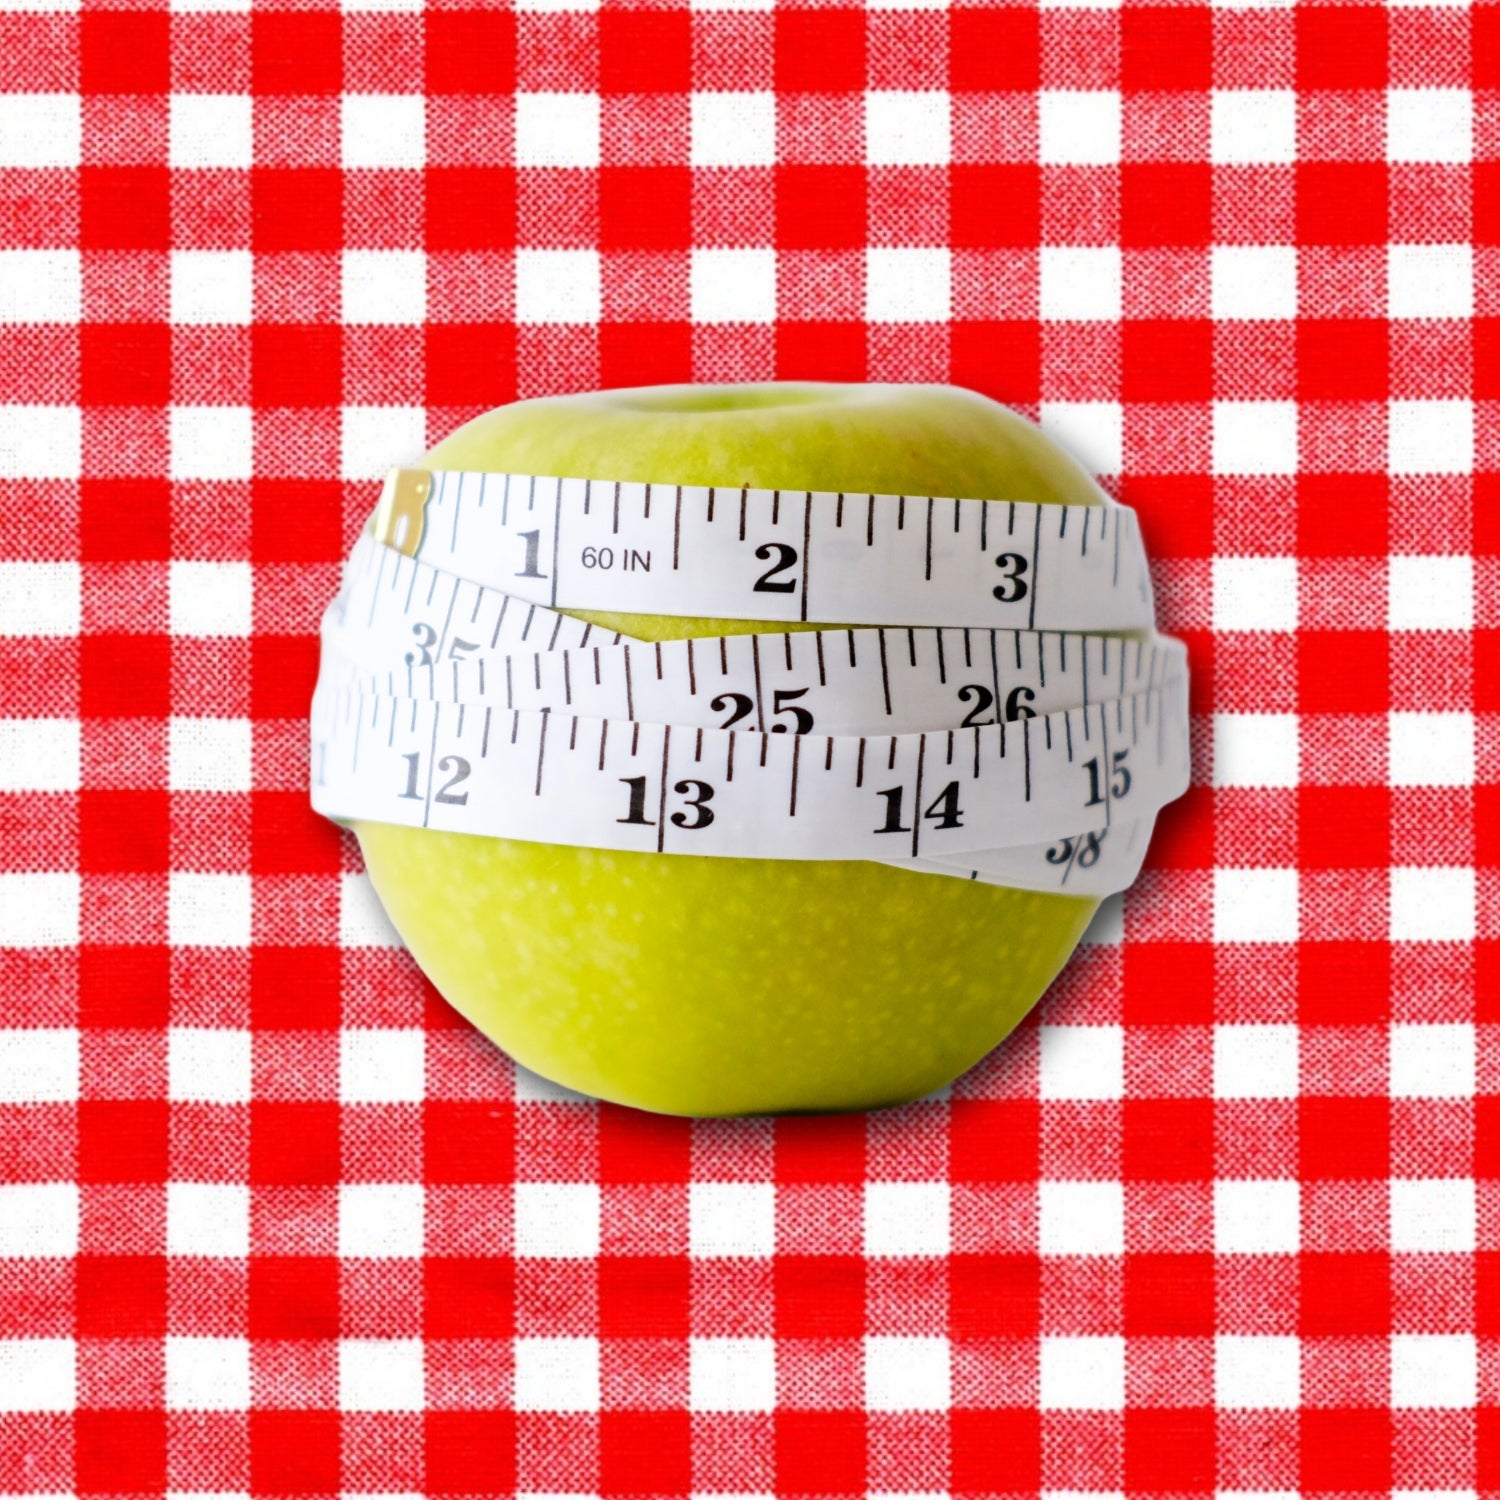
(699, 986)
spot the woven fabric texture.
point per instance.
(1223, 1216)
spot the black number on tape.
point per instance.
(801, 718)
(460, 768)
(637, 813)
(1015, 704)
(533, 547)
(742, 702)
(455, 763)
(412, 762)
(943, 810)
(893, 796)
(1087, 850)
(1119, 781)
(984, 701)
(1013, 565)
(702, 815)
(426, 640)
(786, 557)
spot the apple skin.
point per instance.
(696, 986)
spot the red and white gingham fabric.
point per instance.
(1224, 1216)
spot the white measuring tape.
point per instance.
(1028, 757)
(753, 554)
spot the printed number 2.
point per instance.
(786, 557)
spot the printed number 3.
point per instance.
(1012, 565)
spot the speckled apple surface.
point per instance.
(700, 986)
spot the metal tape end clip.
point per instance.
(402, 512)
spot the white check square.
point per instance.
(384, 287)
(733, 129)
(38, 1220)
(905, 128)
(1256, 1062)
(1080, 283)
(38, 1374)
(209, 1065)
(1431, 437)
(208, 910)
(210, 130)
(1430, 281)
(212, 442)
(1431, 593)
(1084, 1373)
(1433, 904)
(557, 1219)
(1434, 1371)
(1082, 1062)
(557, 1374)
(558, 286)
(211, 598)
(381, 1375)
(382, 1065)
(1433, 1061)
(1256, 906)
(208, 755)
(40, 130)
(40, 598)
(1255, 593)
(907, 1374)
(557, 130)
(40, 755)
(39, 910)
(1261, 1216)
(381, 1219)
(212, 286)
(40, 442)
(732, 1374)
(908, 286)
(207, 1374)
(208, 1218)
(1256, 750)
(906, 1218)
(1253, 126)
(728, 1219)
(1433, 1214)
(1432, 749)
(40, 286)
(1257, 1372)
(384, 130)
(1253, 282)
(1254, 437)
(1079, 127)
(733, 286)
(1429, 125)
(1082, 1218)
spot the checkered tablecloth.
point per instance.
(1223, 1216)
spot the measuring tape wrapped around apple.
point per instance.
(994, 705)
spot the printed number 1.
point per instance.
(533, 545)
